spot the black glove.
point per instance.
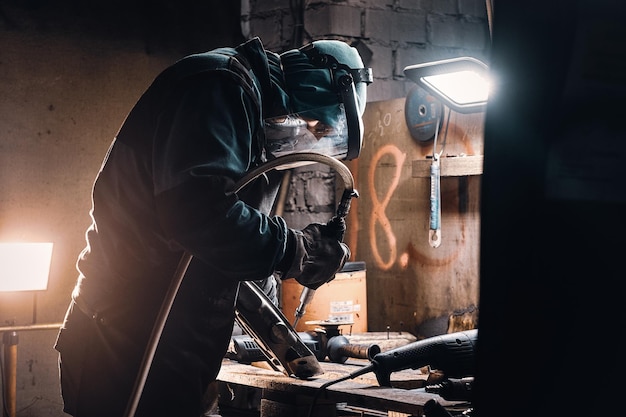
(317, 255)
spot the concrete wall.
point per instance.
(70, 71)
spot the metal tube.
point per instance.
(50, 326)
(9, 341)
(285, 161)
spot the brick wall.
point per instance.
(390, 36)
(390, 33)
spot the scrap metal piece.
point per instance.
(270, 329)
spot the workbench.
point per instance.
(273, 394)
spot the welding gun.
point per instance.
(336, 226)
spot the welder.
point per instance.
(164, 189)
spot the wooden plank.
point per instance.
(361, 391)
(451, 166)
(412, 286)
(384, 340)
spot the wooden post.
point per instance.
(9, 340)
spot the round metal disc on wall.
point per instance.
(422, 112)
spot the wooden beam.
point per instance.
(451, 166)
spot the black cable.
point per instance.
(432, 408)
(322, 387)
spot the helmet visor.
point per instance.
(335, 130)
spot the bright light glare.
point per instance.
(462, 87)
(24, 266)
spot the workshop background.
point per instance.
(71, 70)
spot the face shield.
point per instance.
(333, 130)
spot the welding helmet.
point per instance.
(326, 86)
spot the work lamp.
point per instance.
(462, 84)
(23, 267)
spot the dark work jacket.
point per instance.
(163, 189)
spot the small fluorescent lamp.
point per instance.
(24, 266)
(460, 83)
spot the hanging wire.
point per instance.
(436, 155)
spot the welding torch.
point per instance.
(336, 227)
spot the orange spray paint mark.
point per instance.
(378, 216)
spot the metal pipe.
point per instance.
(287, 160)
(50, 326)
(9, 341)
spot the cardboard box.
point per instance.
(343, 300)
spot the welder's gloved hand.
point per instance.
(316, 255)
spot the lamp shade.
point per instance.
(460, 83)
(24, 266)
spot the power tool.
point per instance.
(324, 343)
(453, 354)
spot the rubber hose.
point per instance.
(287, 160)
